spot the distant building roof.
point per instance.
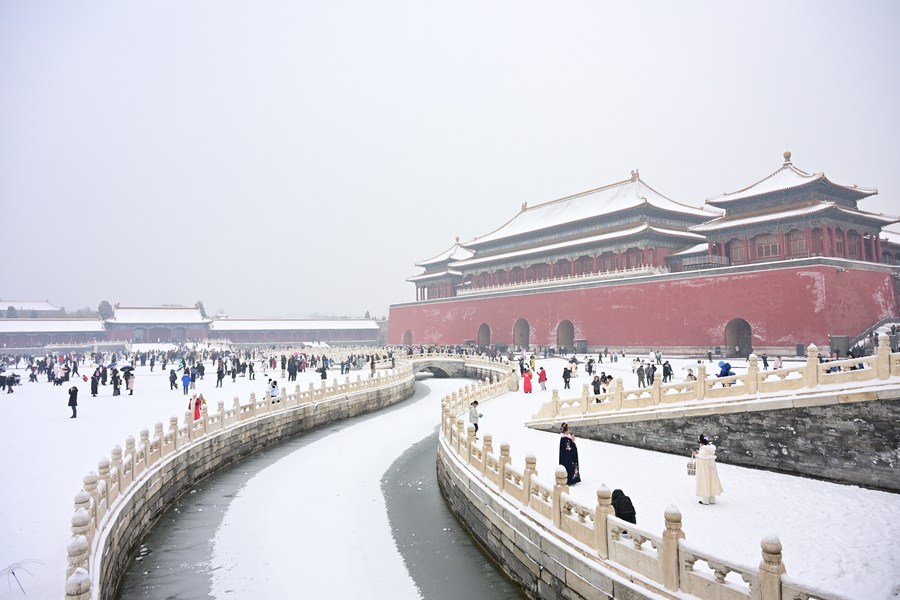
(610, 199)
(150, 315)
(698, 249)
(51, 326)
(892, 237)
(436, 275)
(28, 305)
(786, 178)
(292, 324)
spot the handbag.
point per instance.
(692, 467)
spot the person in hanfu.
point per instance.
(526, 381)
(708, 484)
(568, 455)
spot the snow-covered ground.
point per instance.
(841, 538)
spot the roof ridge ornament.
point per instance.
(635, 175)
(524, 206)
(787, 157)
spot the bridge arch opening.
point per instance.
(407, 337)
(521, 333)
(738, 337)
(434, 370)
(565, 335)
(484, 335)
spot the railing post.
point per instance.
(618, 394)
(145, 444)
(770, 569)
(585, 398)
(78, 585)
(669, 554)
(530, 471)
(883, 356)
(656, 391)
(486, 449)
(460, 428)
(470, 443)
(173, 428)
(701, 381)
(812, 366)
(562, 476)
(752, 382)
(554, 399)
(603, 510)
(221, 410)
(504, 460)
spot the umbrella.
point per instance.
(111, 365)
(126, 368)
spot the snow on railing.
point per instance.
(664, 559)
(102, 490)
(881, 366)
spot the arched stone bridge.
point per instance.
(461, 366)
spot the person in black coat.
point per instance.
(623, 507)
(95, 382)
(73, 401)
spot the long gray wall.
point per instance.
(852, 443)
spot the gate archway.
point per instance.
(407, 337)
(484, 335)
(521, 333)
(565, 335)
(738, 338)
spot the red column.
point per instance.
(782, 251)
(809, 242)
(846, 245)
(722, 249)
(646, 258)
(874, 247)
(595, 263)
(572, 267)
(709, 249)
(878, 248)
(826, 240)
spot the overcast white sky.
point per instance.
(228, 144)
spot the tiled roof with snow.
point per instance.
(437, 275)
(456, 252)
(51, 326)
(728, 222)
(692, 250)
(611, 235)
(138, 315)
(786, 178)
(292, 324)
(892, 237)
(28, 305)
(607, 200)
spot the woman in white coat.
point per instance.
(708, 484)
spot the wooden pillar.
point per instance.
(646, 256)
(874, 247)
(782, 251)
(709, 246)
(747, 250)
(846, 245)
(877, 248)
(826, 240)
(595, 264)
(809, 242)
(722, 249)
(571, 266)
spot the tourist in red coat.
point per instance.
(542, 378)
(527, 385)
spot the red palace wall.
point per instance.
(784, 307)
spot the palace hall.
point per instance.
(789, 260)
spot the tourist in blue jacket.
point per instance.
(186, 382)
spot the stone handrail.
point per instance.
(104, 489)
(881, 366)
(666, 562)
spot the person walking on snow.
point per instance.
(474, 415)
(542, 379)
